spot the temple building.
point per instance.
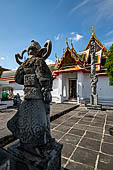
(71, 76)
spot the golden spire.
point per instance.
(57, 59)
(67, 43)
(93, 32)
(72, 44)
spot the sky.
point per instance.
(57, 20)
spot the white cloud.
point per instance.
(108, 44)
(57, 37)
(78, 6)
(72, 33)
(109, 33)
(104, 9)
(76, 38)
(2, 58)
(48, 61)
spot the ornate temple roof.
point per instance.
(72, 61)
(99, 45)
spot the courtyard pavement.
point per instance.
(87, 144)
(6, 114)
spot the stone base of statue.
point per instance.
(94, 99)
(94, 103)
(49, 159)
(95, 107)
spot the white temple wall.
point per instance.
(80, 84)
(55, 92)
(60, 91)
(86, 86)
(104, 91)
(65, 87)
(65, 84)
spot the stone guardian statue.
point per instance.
(31, 123)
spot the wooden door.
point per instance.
(73, 89)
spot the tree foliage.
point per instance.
(109, 64)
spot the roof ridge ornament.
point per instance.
(67, 43)
(93, 32)
(72, 44)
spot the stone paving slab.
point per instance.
(87, 142)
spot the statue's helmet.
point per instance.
(34, 45)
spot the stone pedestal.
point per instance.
(94, 99)
(95, 107)
(94, 103)
(24, 160)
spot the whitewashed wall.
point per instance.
(86, 89)
(60, 91)
(80, 80)
(104, 90)
(55, 92)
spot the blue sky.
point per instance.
(24, 20)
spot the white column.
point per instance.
(60, 91)
(80, 86)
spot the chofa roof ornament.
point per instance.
(43, 52)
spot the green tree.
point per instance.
(109, 64)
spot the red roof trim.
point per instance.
(69, 71)
(7, 77)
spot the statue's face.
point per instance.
(32, 51)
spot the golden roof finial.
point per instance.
(93, 32)
(67, 43)
(57, 59)
(72, 44)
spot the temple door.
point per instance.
(73, 89)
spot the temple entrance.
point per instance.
(73, 89)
